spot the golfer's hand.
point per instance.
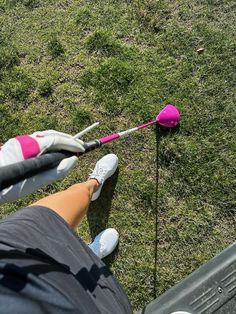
(27, 146)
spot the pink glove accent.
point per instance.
(29, 146)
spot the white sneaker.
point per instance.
(104, 169)
(105, 242)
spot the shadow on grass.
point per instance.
(99, 211)
(110, 258)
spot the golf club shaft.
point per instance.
(115, 136)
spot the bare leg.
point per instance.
(71, 204)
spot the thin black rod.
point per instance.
(157, 208)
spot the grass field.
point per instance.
(66, 64)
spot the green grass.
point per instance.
(66, 64)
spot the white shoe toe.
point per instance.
(105, 242)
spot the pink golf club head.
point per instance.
(168, 116)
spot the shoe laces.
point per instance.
(99, 172)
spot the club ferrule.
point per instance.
(92, 145)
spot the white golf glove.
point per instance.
(28, 146)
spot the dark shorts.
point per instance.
(37, 239)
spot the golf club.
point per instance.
(168, 117)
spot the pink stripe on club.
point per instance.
(169, 117)
(109, 138)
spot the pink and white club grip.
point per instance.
(109, 138)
